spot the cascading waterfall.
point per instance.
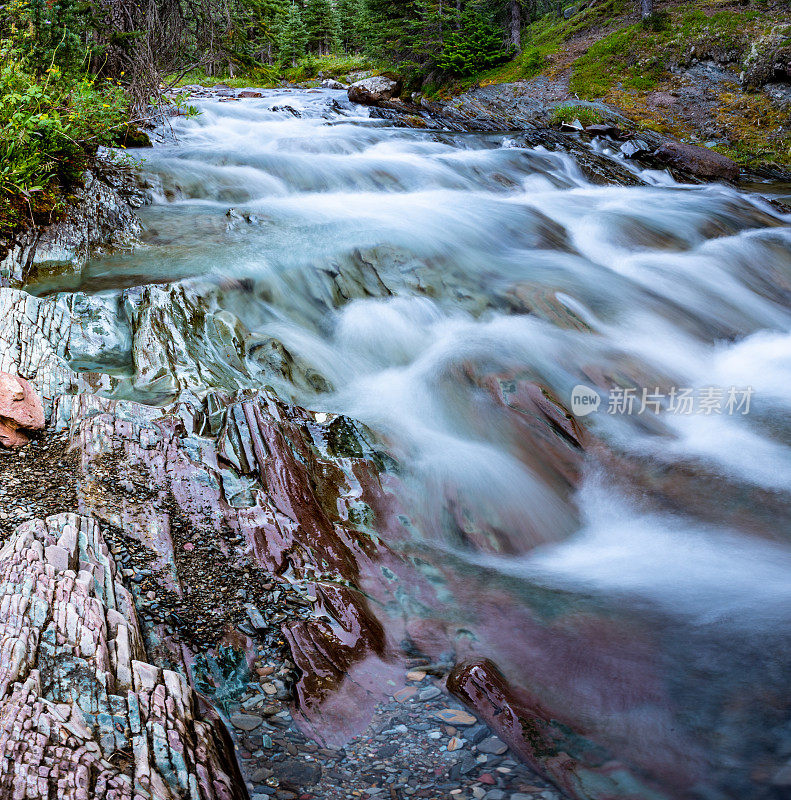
(417, 281)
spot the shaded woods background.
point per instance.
(138, 42)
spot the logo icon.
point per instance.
(584, 400)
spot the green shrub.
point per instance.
(615, 60)
(567, 114)
(50, 130)
(533, 61)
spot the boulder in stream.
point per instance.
(331, 83)
(700, 161)
(370, 91)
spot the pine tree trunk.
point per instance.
(515, 24)
(646, 8)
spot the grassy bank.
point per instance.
(306, 69)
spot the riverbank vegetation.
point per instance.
(54, 114)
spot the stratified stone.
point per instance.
(82, 715)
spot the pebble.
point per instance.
(245, 722)
(493, 746)
(405, 694)
(189, 546)
(415, 675)
(429, 694)
(495, 794)
(455, 744)
(455, 717)
(475, 734)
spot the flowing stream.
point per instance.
(432, 285)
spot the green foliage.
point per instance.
(180, 107)
(319, 19)
(50, 130)
(334, 66)
(613, 61)
(47, 32)
(351, 25)
(474, 46)
(533, 61)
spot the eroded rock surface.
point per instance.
(102, 218)
(82, 713)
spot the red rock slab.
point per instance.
(20, 410)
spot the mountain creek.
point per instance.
(402, 462)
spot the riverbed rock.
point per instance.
(700, 161)
(603, 129)
(548, 745)
(20, 410)
(370, 91)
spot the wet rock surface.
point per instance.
(101, 219)
(699, 161)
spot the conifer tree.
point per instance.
(350, 25)
(319, 19)
(477, 44)
(292, 36)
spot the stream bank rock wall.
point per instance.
(101, 217)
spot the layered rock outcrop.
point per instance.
(82, 713)
(101, 218)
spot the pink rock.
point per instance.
(20, 410)
(189, 547)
